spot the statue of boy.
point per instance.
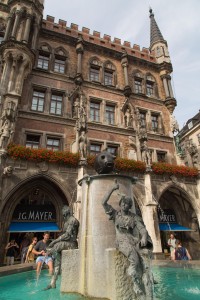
(67, 240)
(133, 241)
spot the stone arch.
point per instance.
(61, 51)
(47, 183)
(45, 47)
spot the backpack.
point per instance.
(180, 254)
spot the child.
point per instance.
(30, 256)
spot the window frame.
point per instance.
(97, 69)
(136, 89)
(38, 99)
(61, 59)
(96, 144)
(44, 55)
(153, 122)
(160, 153)
(56, 101)
(32, 145)
(113, 146)
(53, 138)
(110, 72)
(109, 113)
(95, 110)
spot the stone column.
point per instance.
(79, 51)
(8, 28)
(16, 24)
(124, 63)
(27, 29)
(35, 35)
(170, 87)
(150, 216)
(166, 87)
(47, 101)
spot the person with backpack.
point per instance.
(30, 256)
(181, 253)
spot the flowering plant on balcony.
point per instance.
(38, 155)
(165, 168)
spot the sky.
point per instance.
(178, 20)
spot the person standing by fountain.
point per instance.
(10, 254)
(133, 241)
(172, 244)
(181, 253)
(67, 240)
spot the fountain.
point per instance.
(100, 268)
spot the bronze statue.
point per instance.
(133, 241)
(67, 240)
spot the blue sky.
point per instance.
(179, 22)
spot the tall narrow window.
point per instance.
(56, 105)
(143, 119)
(53, 144)
(59, 65)
(1, 39)
(149, 86)
(38, 101)
(110, 114)
(94, 74)
(108, 78)
(43, 62)
(95, 111)
(138, 86)
(95, 149)
(154, 122)
(32, 141)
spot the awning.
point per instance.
(33, 227)
(173, 227)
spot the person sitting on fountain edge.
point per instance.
(133, 241)
(40, 250)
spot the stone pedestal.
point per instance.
(90, 266)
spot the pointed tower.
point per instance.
(159, 46)
(157, 42)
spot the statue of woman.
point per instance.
(133, 241)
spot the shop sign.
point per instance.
(37, 213)
(167, 216)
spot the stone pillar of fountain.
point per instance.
(90, 270)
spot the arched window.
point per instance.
(109, 74)
(138, 82)
(151, 86)
(95, 68)
(60, 59)
(44, 56)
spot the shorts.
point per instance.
(44, 259)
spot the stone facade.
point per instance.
(57, 81)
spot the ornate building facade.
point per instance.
(66, 89)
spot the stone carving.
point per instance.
(133, 242)
(128, 117)
(7, 171)
(83, 145)
(67, 240)
(104, 162)
(7, 124)
(75, 109)
(141, 128)
(193, 151)
(145, 152)
(173, 124)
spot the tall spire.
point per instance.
(156, 35)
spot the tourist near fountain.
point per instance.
(113, 260)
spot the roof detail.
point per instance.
(194, 121)
(155, 34)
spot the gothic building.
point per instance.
(66, 89)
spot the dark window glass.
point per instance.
(56, 105)
(53, 144)
(110, 114)
(94, 74)
(138, 86)
(59, 66)
(149, 86)
(143, 119)
(113, 150)
(32, 141)
(161, 156)
(108, 78)
(43, 62)
(94, 111)
(1, 39)
(154, 122)
(95, 149)
(38, 101)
